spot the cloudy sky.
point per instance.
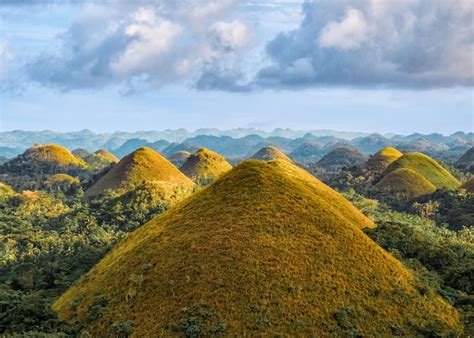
(364, 65)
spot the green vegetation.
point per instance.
(468, 185)
(425, 166)
(205, 166)
(245, 255)
(142, 166)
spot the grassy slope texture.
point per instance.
(49, 158)
(381, 160)
(205, 166)
(143, 165)
(414, 175)
(341, 157)
(270, 153)
(265, 250)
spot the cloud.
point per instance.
(144, 41)
(367, 43)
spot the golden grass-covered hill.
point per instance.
(205, 166)
(341, 157)
(414, 175)
(179, 158)
(101, 159)
(266, 250)
(6, 190)
(381, 160)
(468, 185)
(142, 165)
(269, 153)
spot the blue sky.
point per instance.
(364, 65)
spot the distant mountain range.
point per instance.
(238, 143)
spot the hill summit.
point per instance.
(44, 159)
(204, 166)
(341, 157)
(381, 160)
(414, 175)
(142, 165)
(269, 153)
(265, 250)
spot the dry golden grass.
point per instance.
(107, 155)
(270, 153)
(54, 154)
(425, 166)
(143, 165)
(406, 184)
(61, 178)
(205, 166)
(267, 249)
(381, 160)
(6, 189)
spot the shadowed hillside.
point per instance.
(262, 251)
(341, 157)
(466, 162)
(179, 158)
(143, 165)
(205, 166)
(468, 185)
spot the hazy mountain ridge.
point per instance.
(236, 143)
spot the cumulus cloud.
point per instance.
(415, 43)
(153, 42)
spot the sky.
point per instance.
(398, 66)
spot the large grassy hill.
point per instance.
(205, 166)
(425, 166)
(266, 250)
(141, 166)
(270, 153)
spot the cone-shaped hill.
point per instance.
(80, 152)
(269, 153)
(468, 185)
(466, 162)
(204, 166)
(179, 157)
(44, 159)
(381, 160)
(107, 155)
(258, 252)
(341, 157)
(101, 159)
(143, 165)
(414, 175)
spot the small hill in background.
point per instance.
(466, 162)
(381, 160)
(264, 250)
(269, 153)
(176, 147)
(205, 166)
(307, 153)
(143, 165)
(179, 158)
(468, 185)
(341, 157)
(44, 159)
(80, 152)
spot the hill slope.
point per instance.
(269, 153)
(341, 157)
(425, 166)
(468, 185)
(205, 166)
(143, 165)
(405, 184)
(259, 252)
(44, 159)
(466, 162)
(381, 160)
(179, 158)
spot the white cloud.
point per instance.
(349, 33)
(230, 35)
